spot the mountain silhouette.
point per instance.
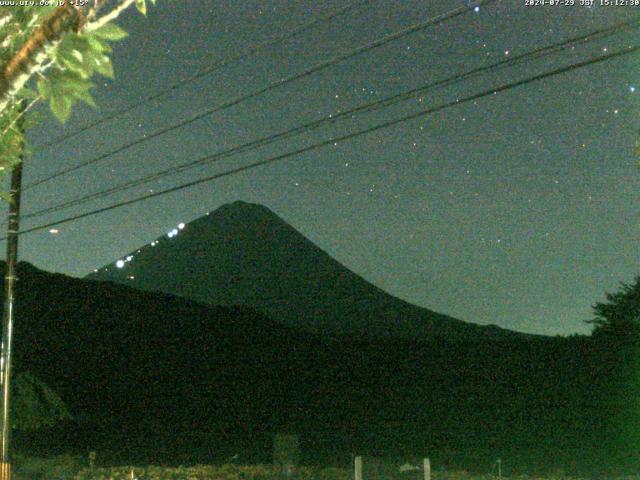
(152, 377)
(244, 254)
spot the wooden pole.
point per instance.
(426, 468)
(7, 320)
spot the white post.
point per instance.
(358, 468)
(426, 467)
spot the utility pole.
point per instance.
(7, 318)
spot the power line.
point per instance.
(372, 106)
(247, 52)
(306, 72)
(349, 136)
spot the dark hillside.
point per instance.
(244, 254)
(155, 377)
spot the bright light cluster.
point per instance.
(175, 231)
(121, 263)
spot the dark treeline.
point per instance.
(154, 378)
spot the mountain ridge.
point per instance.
(245, 254)
(151, 375)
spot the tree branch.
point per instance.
(5, 17)
(112, 15)
(34, 52)
(93, 11)
(31, 104)
(19, 115)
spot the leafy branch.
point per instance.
(56, 51)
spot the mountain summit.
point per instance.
(244, 254)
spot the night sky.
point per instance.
(519, 209)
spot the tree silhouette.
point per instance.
(615, 375)
(35, 405)
(619, 317)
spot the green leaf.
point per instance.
(86, 97)
(110, 32)
(27, 94)
(12, 141)
(73, 53)
(61, 107)
(97, 44)
(103, 66)
(43, 88)
(141, 5)
(63, 89)
(6, 196)
(85, 55)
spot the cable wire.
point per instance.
(247, 52)
(315, 146)
(306, 72)
(372, 106)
